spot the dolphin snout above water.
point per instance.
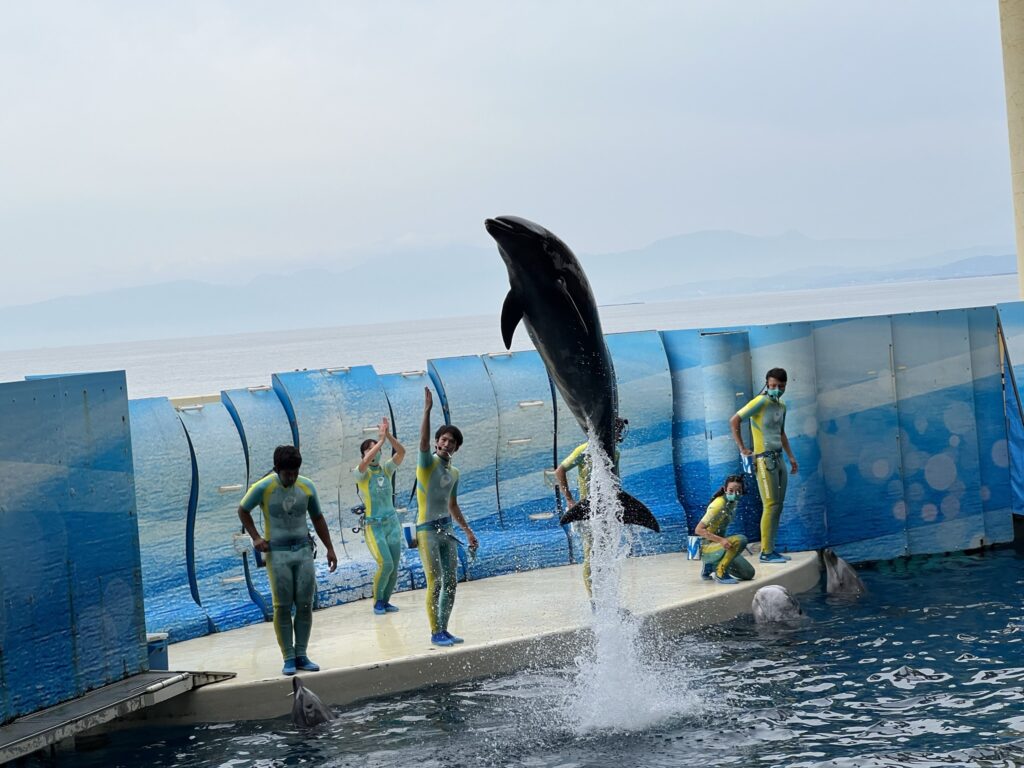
(550, 294)
(307, 709)
(774, 604)
(840, 576)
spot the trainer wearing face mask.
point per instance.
(721, 555)
(767, 416)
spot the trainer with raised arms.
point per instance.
(437, 488)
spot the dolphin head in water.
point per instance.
(840, 576)
(307, 709)
(774, 604)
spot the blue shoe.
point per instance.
(440, 638)
(727, 579)
(303, 663)
(772, 557)
(389, 608)
(453, 638)
(706, 571)
(379, 608)
(785, 557)
(289, 667)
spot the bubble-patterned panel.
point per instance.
(1011, 322)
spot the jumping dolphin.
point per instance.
(774, 604)
(840, 577)
(307, 709)
(551, 294)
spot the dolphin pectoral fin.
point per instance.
(635, 512)
(568, 297)
(511, 314)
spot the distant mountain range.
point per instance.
(394, 285)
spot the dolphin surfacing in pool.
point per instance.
(840, 576)
(550, 294)
(307, 709)
(774, 604)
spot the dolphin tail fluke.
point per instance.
(634, 512)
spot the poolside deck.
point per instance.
(508, 622)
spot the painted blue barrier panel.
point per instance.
(220, 473)
(525, 459)
(468, 399)
(404, 392)
(689, 441)
(163, 482)
(70, 576)
(938, 437)
(1011, 322)
(313, 400)
(858, 435)
(647, 465)
(727, 388)
(990, 418)
(263, 425)
(791, 346)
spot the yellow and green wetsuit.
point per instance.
(383, 531)
(767, 421)
(579, 461)
(726, 561)
(437, 481)
(290, 559)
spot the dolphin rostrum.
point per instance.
(307, 709)
(551, 294)
(840, 577)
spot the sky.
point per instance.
(147, 142)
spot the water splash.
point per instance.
(621, 683)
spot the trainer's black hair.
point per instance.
(455, 432)
(366, 445)
(778, 374)
(287, 457)
(730, 479)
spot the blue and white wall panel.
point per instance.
(220, 473)
(71, 581)
(263, 425)
(689, 441)
(1011, 320)
(531, 532)
(725, 356)
(313, 400)
(791, 346)
(163, 484)
(468, 399)
(858, 435)
(647, 464)
(938, 436)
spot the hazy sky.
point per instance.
(144, 141)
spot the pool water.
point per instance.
(925, 670)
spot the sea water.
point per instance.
(927, 669)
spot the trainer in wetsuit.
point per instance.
(579, 461)
(286, 498)
(437, 486)
(383, 531)
(767, 416)
(721, 555)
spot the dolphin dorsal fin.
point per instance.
(511, 314)
(568, 297)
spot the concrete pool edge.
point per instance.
(510, 648)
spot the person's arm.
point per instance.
(794, 467)
(737, 436)
(714, 510)
(460, 520)
(398, 448)
(361, 469)
(703, 532)
(258, 542)
(563, 482)
(320, 526)
(428, 402)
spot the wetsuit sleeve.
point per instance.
(753, 407)
(714, 510)
(254, 495)
(576, 458)
(313, 503)
(360, 476)
(389, 467)
(425, 459)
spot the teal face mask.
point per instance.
(731, 496)
(776, 393)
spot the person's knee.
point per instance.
(739, 540)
